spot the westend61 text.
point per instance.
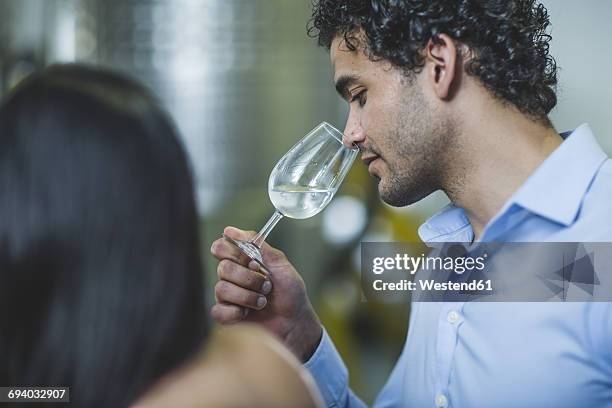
(429, 285)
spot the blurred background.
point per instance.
(244, 83)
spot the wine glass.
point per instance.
(303, 181)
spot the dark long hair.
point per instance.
(100, 269)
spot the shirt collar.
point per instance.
(449, 224)
(576, 160)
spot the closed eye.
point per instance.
(361, 97)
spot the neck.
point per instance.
(498, 154)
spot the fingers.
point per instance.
(242, 284)
(237, 233)
(244, 277)
(227, 292)
(225, 313)
(223, 249)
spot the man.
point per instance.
(454, 96)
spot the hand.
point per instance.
(274, 298)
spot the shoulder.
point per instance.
(240, 366)
(269, 373)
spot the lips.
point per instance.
(368, 159)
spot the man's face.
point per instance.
(396, 124)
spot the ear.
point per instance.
(441, 64)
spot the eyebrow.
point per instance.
(343, 83)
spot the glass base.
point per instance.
(248, 249)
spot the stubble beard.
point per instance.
(422, 143)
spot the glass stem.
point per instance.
(261, 236)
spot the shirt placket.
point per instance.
(449, 320)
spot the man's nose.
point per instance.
(353, 133)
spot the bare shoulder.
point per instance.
(240, 366)
(272, 375)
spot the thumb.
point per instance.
(237, 233)
(268, 252)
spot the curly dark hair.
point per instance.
(507, 38)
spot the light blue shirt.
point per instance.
(481, 354)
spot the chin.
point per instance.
(396, 196)
(389, 195)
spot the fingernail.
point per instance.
(266, 287)
(261, 302)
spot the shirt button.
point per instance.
(452, 317)
(441, 401)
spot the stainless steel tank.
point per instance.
(240, 77)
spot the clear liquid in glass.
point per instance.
(300, 202)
